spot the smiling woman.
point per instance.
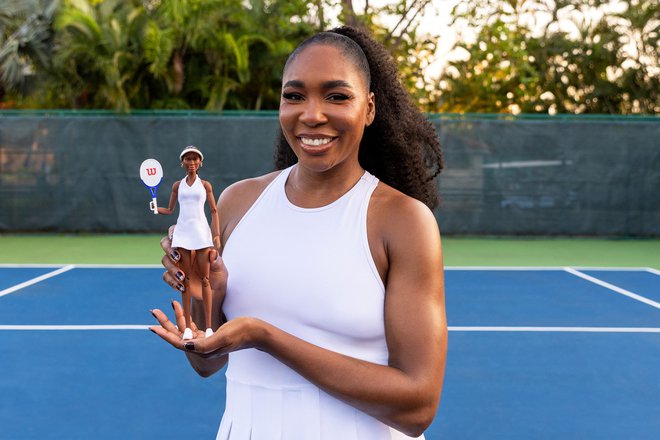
(331, 281)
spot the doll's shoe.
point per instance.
(209, 332)
(187, 334)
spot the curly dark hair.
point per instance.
(401, 146)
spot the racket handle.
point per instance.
(154, 205)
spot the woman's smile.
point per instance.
(316, 145)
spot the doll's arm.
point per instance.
(173, 198)
(215, 222)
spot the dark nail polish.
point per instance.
(152, 313)
(172, 303)
(180, 287)
(190, 346)
(179, 276)
(152, 331)
(175, 255)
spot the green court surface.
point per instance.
(458, 251)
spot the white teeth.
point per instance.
(315, 142)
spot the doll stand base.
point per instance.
(209, 332)
(187, 334)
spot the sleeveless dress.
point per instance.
(309, 272)
(192, 230)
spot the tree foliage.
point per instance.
(532, 56)
(563, 56)
(175, 54)
(196, 54)
(25, 43)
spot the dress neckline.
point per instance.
(185, 180)
(335, 202)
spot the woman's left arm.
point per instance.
(405, 393)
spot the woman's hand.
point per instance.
(234, 335)
(174, 276)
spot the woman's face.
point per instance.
(191, 162)
(324, 108)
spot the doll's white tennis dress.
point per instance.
(310, 273)
(192, 229)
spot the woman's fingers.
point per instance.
(164, 322)
(179, 316)
(174, 278)
(166, 245)
(173, 339)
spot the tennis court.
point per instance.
(534, 353)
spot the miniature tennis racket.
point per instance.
(151, 174)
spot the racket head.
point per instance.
(151, 172)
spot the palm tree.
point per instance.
(200, 49)
(98, 57)
(25, 42)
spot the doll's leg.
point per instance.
(186, 263)
(203, 269)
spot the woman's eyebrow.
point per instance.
(294, 83)
(336, 83)
(326, 85)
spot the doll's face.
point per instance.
(191, 162)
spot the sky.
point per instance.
(436, 21)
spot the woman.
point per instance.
(335, 321)
(192, 237)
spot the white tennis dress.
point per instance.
(192, 229)
(309, 272)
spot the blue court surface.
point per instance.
(534, 353)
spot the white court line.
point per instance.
(558, 268)
(83, 266)
(487, 268)
(36, 280)
(613, 287)
(74, 327)
(558, 329)
(451, 328)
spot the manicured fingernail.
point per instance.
(152, 331)
(180, 287)
(172, 303)
(179, 276)
(175, 255)
(152, 312)
(189, 346)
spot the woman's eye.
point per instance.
(290, 96)
(338, 97)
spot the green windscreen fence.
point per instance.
(79, 172)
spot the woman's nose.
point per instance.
(313, 114)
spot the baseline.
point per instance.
(74, 327)
(451, 328)
(556, 329)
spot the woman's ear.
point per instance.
(371, 109)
